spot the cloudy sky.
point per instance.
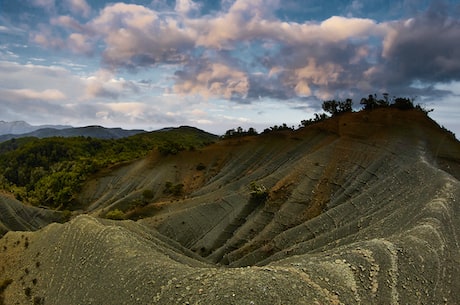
(221, 64)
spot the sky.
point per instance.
(220, 64)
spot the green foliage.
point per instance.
(115, 215)
(403, 103)
(173, 189)
(336, 107)
(170, 148)
(316, 119)
(259, 193)
(239, 132)
(147, 195)
(50, 172)
(66, 216)
(278, 128)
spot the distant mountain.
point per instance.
(20, 127)
(88, 131)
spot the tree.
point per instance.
(336, 107)
(346, 106)
(369, 103)
(403, 103)
(330, 107)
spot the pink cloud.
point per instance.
(29, 94)
(214, 79)
(79, 7)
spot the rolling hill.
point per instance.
(21, 127)
(362, 208)
(97, 132)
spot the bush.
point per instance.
(173, 189)
(148, 194)
(200, 167)
(259, 193)
(170, 148)
(115, 215)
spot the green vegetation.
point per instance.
(259, 193)
(50, 172)
(403, 103)
(336, 107)
(115, 214)
(173, 189)
(147, 195)
(278, 128)
(239, 132)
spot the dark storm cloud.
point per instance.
(425, 48)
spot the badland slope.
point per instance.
(362, 208)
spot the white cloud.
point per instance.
(79, 43)
(136, 36)
(104, 84)
(79, 7)
(186, 6)
(214, 80)
(28, 94)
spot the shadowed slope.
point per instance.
(363, 209)
(14, 216)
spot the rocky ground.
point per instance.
(363, 209)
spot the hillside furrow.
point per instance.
(363, 208)
(15, 216)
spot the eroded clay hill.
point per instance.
(362, 209)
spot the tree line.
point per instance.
(51, 171)
(335, 107)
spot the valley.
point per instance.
(362, 208)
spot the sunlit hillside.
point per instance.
(360, 208)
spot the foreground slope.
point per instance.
(363, 209)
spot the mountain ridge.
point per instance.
(20, 127)
(94, 131)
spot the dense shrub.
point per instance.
(115, 215)
(259, 193)
(173, 189)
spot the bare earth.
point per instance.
(363, 209)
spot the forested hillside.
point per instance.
(49, 172)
